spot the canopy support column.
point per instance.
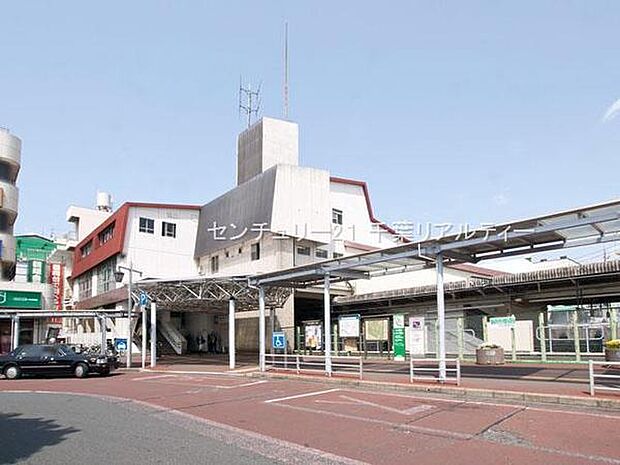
(143, 308)
(441, 319)
(153, 334)
(261, 328)
(231, 334)
(104, 335)
(327, 324)
(15, 332)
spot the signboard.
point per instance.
(144, 299)
(57, 280)
(416, 335)
(120, 344)
(376, 330)
(398, 336)
(502, 321)
(278, 340)
(20, 299)
(313, 336)
(349, 326)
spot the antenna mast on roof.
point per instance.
(249, 100)
(285, 84)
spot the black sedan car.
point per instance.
(56, 359)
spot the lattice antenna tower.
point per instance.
(249, 100)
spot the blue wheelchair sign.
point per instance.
(278, 340)
(120, 344)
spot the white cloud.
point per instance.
(501, 199)
(612, 111)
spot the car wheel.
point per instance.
(81, 370)
(12, 372)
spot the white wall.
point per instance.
(157, 256)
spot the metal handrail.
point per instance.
(594, 376)
(456, 370)
(280, 361)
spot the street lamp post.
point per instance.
(118, 276)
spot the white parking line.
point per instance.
(154, 377)
(299, 396)
(409, 411)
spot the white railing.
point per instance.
(452, 366)
(173, 336)
(348, 365)
(604, 376)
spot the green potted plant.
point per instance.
(612, 350)
(490, 354)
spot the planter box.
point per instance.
(612, 355)
(490, 356)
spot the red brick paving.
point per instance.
(374, 427)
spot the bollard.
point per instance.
(613, 324)
(513, 344)
(485, 329)
(591, 372)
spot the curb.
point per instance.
(469, 394)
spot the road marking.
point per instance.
(299, 396)
(409, 411)
(234, 386)
(154, 377)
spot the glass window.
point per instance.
(85, 286)
(168, 229)
(105, 276)
(303, 250)
(215, 264)
(255, 251)
(87, 249)
(338, 255)
(147, 225)
(106, 234)
(336, 216)
(31, 351)
(321, 253)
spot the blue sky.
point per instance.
(451, 111)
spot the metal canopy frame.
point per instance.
(208, 294)
(583, 226)
(589, 225)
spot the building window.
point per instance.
(227, 254)
(106, 234)
(85, 286)
(336, 216)
(147, 225)
(240, 250)
(303, 250)
(87, 249)
(215, 264)
(105, 276)
(168, 229)
(255, 251)
(338, 255)
(321, 253)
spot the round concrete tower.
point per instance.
(10, 162)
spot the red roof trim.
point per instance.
(115, 245)
(371, 215)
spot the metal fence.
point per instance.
(347, 365)
(609, 380)
(431, 365)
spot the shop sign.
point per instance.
(503, 321)
(416, 335)
(20, 299)
(398, 336)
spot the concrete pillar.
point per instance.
(513, 343)
(272, 325)
(261, 328)
(543, 338)
(485, 329)
(576, 336)
(613, 323)
(441, 317)
(104, 335)
(231, 334)
(327, 325)
(153, 334)
(459, 337)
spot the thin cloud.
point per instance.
(612, 111)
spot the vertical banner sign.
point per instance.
(416, 335)
(57, 280)
(398, 336)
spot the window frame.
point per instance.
(337, 216)
(146, 229)
(255, 251)
(215, 264)
(165, 232)
(304, 250)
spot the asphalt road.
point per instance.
(51, 429)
